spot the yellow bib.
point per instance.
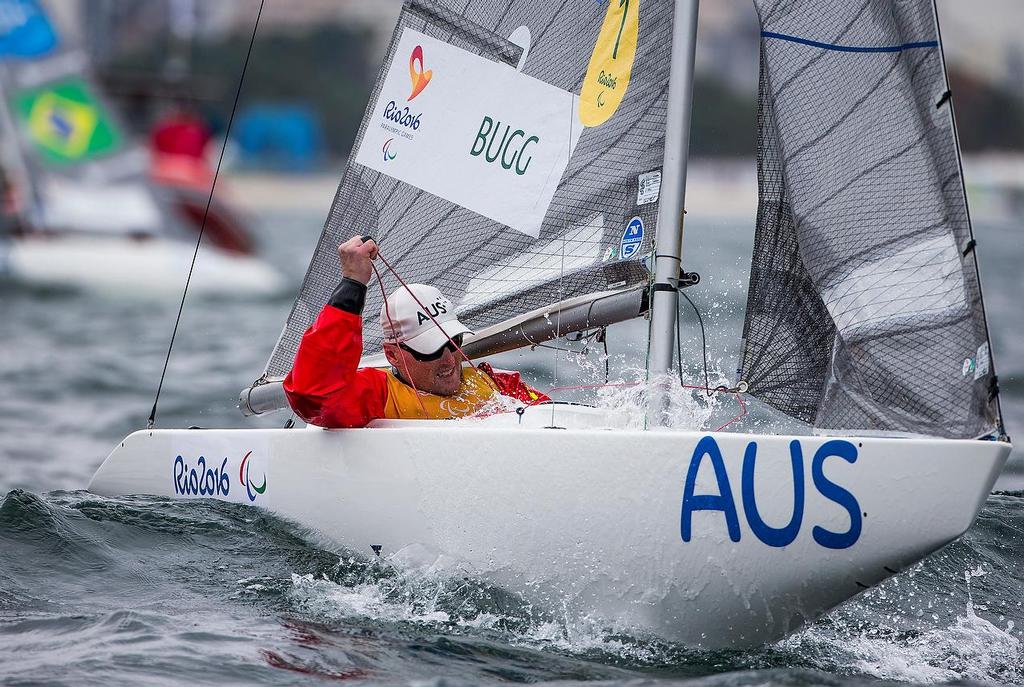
(405, 403)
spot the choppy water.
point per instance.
(145, 590)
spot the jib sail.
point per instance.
(864, 311)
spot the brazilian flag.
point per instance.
(66, 122)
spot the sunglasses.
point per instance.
(430, 357)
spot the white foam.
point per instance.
(416, 594)
(971, 648)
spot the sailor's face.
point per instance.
(442, 377)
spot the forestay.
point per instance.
(79, 170)
(510, 155)
(864, 311)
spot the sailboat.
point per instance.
(529, 159)
(86, 216)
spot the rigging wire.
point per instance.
(704, 346)
(558, 316)
(206, 213)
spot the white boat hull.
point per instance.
(591, 522)
(136, 266)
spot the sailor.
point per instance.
(427, 379)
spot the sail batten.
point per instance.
(864, 311)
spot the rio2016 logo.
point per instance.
(388, 153)
(201, 480)
(251, 490)
(420, 77)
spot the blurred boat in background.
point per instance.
(81, 210)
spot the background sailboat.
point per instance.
(714, 539)
(86, 214)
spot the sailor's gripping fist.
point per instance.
(356, 256)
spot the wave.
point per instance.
(220, 582)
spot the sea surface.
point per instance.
(143, 590)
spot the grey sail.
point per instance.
(494, 272)
(79, 168)
(864, 311)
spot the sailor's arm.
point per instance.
(325, 386)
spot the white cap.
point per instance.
(403, 320)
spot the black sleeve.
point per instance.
(350, 296)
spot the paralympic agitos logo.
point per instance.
(251, 490)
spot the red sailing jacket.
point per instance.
(327, 388)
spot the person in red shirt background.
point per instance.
(181, 132)
(427, 379)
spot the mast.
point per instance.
(668, 247)
(13, 156)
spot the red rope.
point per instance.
(387, 314)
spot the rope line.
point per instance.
(206, 213)
(391, 323)
(703, 340)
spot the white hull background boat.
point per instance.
(123, 265)
(713, 539)
(89, 218)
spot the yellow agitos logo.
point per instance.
(611, 63)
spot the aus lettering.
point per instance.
(201, 480)
(781, 534)
(434, 309)
(510, 149)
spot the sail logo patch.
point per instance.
(981, 361)
(632, 239)
(480, 135)
(66, 123)
(611, 63)
(420, 77)
(25, 30)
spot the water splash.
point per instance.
(897, 631)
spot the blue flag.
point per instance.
(25, 30)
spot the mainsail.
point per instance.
(81, 172)
(864, 310)
(499, 161)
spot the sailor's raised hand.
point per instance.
(355, 255)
